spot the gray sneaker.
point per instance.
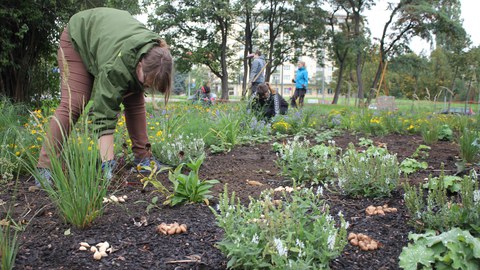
(45, 177)
(145, 162)
(108, 168)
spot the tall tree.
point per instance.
(295, 28)
(198, 31)
(249, 21)
(356, 8)
(409, 18)
(340, 34)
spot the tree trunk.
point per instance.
(223, 63)
(339, 83)
(248, 48)
(356, 15)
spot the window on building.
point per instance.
(287, 78)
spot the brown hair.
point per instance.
(262, 90)
(158, 68)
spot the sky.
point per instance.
(377, 17)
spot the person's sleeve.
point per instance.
(106, 98)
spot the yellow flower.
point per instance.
(33, 131)
(159, 133)
(17, 153)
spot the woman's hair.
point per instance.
(262, 90)
(158, 68)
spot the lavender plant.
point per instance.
(298, 233)
(302, 162)
(439, 211)
(175, 150)
(372, 173)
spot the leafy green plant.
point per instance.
(365, 142)
(439, 211)
(469, 146)
(410, 165)
(302, 162)
(151, 177)
(454, 249)
(372, 173)
(445, 133)
(421, 152)
(452, 183)
(189, 188)
(327, 135)
(9, 244)
(298, 233)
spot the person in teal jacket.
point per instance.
(108, 57)
(301, 83)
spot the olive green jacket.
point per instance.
(111, 43)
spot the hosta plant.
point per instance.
(297, 233)
(372, 173)
(189, 187)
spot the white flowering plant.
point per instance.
(438, 210)
(370, 173)
(303, 162)
(297, 232)
(177, 149)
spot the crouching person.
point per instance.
(268, 103)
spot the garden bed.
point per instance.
(48, 243)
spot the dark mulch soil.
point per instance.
(44, 245)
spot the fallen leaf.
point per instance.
(67, 232)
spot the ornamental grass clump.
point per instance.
(372, 173)
(305, 163)
(9, 244)
(440, 210)
(297, 233)
(77, 185)
(469, 145)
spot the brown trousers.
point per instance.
(76, 89)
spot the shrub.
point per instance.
(298, 233)
(372, 173)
